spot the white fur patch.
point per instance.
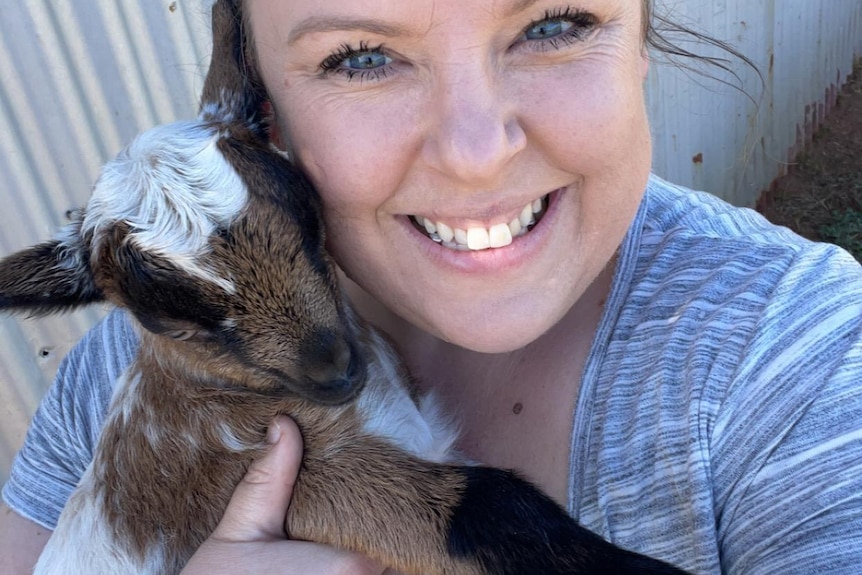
(229, 439)
(174, 188)
(225, 109)
(124, 398)
(83, 542)
(388, 411)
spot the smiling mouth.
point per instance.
(476, 238)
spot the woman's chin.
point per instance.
(494, 333)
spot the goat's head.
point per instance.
(207, 235)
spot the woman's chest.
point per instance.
(519, 417)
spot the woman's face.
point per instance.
(463, 116)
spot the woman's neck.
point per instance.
(448, 368)
(515, 409)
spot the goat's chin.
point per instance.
(335, 392)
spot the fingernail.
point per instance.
(273, 433)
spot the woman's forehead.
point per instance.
(303, 16)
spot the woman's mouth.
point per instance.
(477, 238)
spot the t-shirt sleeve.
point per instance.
(65, 428)
(788, 440)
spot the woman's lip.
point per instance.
(480, 237)
(487, 220)
(516, 254)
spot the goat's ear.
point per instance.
(51, 277)
(232, 89)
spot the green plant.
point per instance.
(845, 230)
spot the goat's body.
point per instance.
(170, 456)
(379, 477)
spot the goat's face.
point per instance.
(217, 241)
(209, 236)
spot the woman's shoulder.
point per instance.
(671, 208)
(65, 429)
(706, 277)
(728, 369)
(741, 322)
(694, 246)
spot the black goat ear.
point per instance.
(51, 277)
(232, 90)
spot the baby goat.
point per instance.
(213, 243)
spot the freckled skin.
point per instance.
(468, 117)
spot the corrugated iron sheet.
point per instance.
(733, 135)
(79, 78)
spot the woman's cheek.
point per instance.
(584, 113)
(355, 151)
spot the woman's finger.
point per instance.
(258, 507)
(251, 539)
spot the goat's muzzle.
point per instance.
(338, 381)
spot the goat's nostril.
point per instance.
(327, 372)
(337, 382)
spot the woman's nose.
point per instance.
(474, 131)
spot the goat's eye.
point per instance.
(181, 334)
(176, 329)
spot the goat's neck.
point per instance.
(172, 451)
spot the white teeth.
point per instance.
(526, 216)
(515, 227)
(460, 236)
(537, 206)
(480, 238)
(500, 236)
(445, 232)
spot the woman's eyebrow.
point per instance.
(516, 7)
(316, 24)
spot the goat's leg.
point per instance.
(423, 518)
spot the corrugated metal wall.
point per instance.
(79, 78)
(711, 135)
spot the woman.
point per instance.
(679, 373)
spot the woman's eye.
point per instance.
(367, 63)
(547, 29)
(559, 27)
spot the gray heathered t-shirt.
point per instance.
(719, 423)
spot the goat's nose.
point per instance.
(334, 376)
(327, 358)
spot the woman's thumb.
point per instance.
(258, 507)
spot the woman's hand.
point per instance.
(251, 539)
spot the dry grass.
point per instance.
(821, 197)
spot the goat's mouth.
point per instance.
(476, 238)
(337, 389)
(333, 392)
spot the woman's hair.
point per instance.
(663, 35)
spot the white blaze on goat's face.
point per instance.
(173, 188)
